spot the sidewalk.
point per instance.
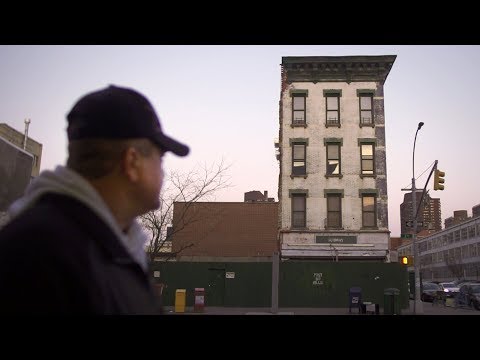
(428, 309)
(209, 310)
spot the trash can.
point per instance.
(355, 299)
(391, 301)
(180, 298)
(199, 302)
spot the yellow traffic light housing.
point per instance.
(438, 180)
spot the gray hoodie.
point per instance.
(66, 181)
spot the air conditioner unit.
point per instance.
(277, 154)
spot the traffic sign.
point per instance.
(409, 223)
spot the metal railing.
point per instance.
(298, 121)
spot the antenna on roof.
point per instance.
(27, 122)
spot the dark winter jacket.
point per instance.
(59, 257)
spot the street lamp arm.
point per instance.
(417, 305)
(420, 124)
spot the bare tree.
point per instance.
(199, 184)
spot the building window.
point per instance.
(369, 211)
(299, 211)
(332, 106)
(366, 109)
(367, 154)
(299, 156)
(299, 114)
(333, 110)
(333, 160)
(299, 107)
(334, 211)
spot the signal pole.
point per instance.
(417, 305)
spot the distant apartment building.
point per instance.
(31, 146)
(332, 158)
(476, 211)
(429, 216)
(256, 196)
(458, 217)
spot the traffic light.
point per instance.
(438, 180)
(406, 260)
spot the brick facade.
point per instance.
(209, 230)
(315, 78)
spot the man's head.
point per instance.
(119, 113)
(115, 138)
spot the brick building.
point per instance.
(20, 158)
(458, 217)
(255, 196)
(224, 231)
(31, 146)
(332, 158)
(476, 211)
(430, 215)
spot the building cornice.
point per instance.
(337, 68)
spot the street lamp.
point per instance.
(417, 305)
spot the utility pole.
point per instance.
(417, 305)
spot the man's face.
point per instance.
(150, 180)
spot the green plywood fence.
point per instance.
(301, 283)
(327, 284)
(232, 284)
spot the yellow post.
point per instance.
(180, 300)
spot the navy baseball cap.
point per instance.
(119, 113)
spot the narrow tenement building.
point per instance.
(333, 202)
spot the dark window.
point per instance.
(299, 159)
(299, 209)
(333, 159)
(333, 109)
(367, 158)
(366, 109)
(369, 211)
(299, 110)
(334, 211)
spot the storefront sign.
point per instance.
(334, 239)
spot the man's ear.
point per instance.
(131, 164)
